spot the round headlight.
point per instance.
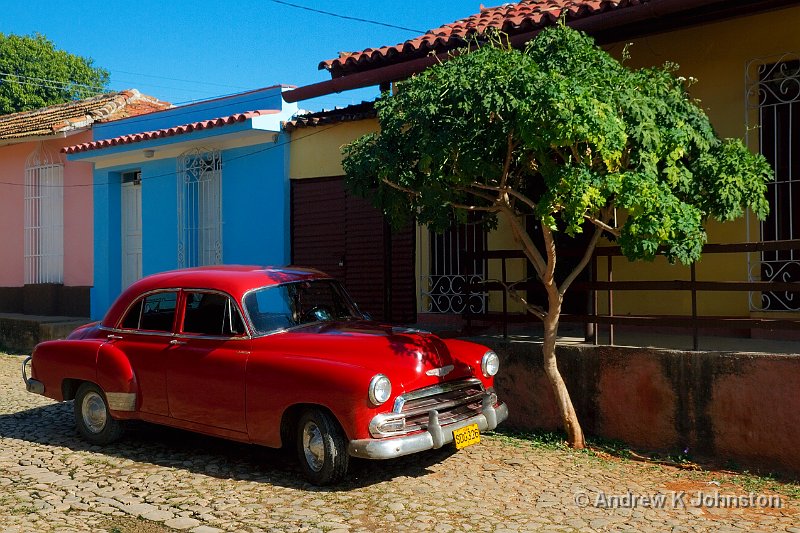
(380, 388)
(490, 364)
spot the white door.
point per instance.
(131, 232)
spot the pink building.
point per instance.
(46, 212)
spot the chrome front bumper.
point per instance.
(435, 436)
(31, 385)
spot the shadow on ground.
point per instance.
(53, 425)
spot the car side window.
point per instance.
(158, 311)
(131, 320)
(211, 314)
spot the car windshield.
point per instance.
(284, 306)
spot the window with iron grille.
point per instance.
(773, 100)
(199, 208)
(453, 267)
(44, 218)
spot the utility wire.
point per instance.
(53, 85)
(94, 89)
(64, 83)
(346, 17)
(199, 82)
(225, 161)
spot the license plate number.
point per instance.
(466, 436)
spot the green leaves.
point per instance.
(36, 74)
(565, 124)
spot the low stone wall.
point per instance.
(737, 407)
(20, 333)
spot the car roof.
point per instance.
(235, 280)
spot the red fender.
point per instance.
(55, 361)
(117, 379)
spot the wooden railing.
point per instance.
(592, 288)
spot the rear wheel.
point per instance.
(321, 447)
(92, 416)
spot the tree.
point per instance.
(34, 74)
(565, 133)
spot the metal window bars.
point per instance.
(44, 217)
(199, 208)
(453, 270)
(772, 118)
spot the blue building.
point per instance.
(201, 184)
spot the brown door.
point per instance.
(345, 236)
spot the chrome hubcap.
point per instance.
(313, 446)
(94, 412)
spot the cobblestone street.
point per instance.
(159, 479)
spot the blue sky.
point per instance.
(182, 51)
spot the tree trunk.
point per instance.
(566, 410)
(551, 319)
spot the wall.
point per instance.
(77, 213)
(255, 196)
(732, 407)
(317, 152)
(255, 185)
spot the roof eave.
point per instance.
(38, 138)
(368, 74)
(250, 125)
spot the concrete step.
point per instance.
(20, 333)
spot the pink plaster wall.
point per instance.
(78, 216)
(12, 221)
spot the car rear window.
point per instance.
(158, 311)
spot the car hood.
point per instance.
(410, 358)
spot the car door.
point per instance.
(207, 361)
(144, 336)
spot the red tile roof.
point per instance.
(167, 132)
(79, 114)
(520, 17)
(351, 113)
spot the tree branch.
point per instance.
(550, 247)
(479, 194)
(507, 163)
(488, 209)
(509, 190)
(394, 185)
(603, 226)
(587, 256)
(531, 308)
(524, 239)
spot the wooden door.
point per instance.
(345, 236)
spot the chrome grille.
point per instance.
(453, 401)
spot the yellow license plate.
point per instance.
(466, 436)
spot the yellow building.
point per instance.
(746, 58)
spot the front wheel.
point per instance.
(321, 447)
(92, 416)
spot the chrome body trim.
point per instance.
(435, 436)
(121, 401)
(440, 372)
(31, 385)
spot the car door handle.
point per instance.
(114, 337)
(176, 342)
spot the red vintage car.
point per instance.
(270, 356)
